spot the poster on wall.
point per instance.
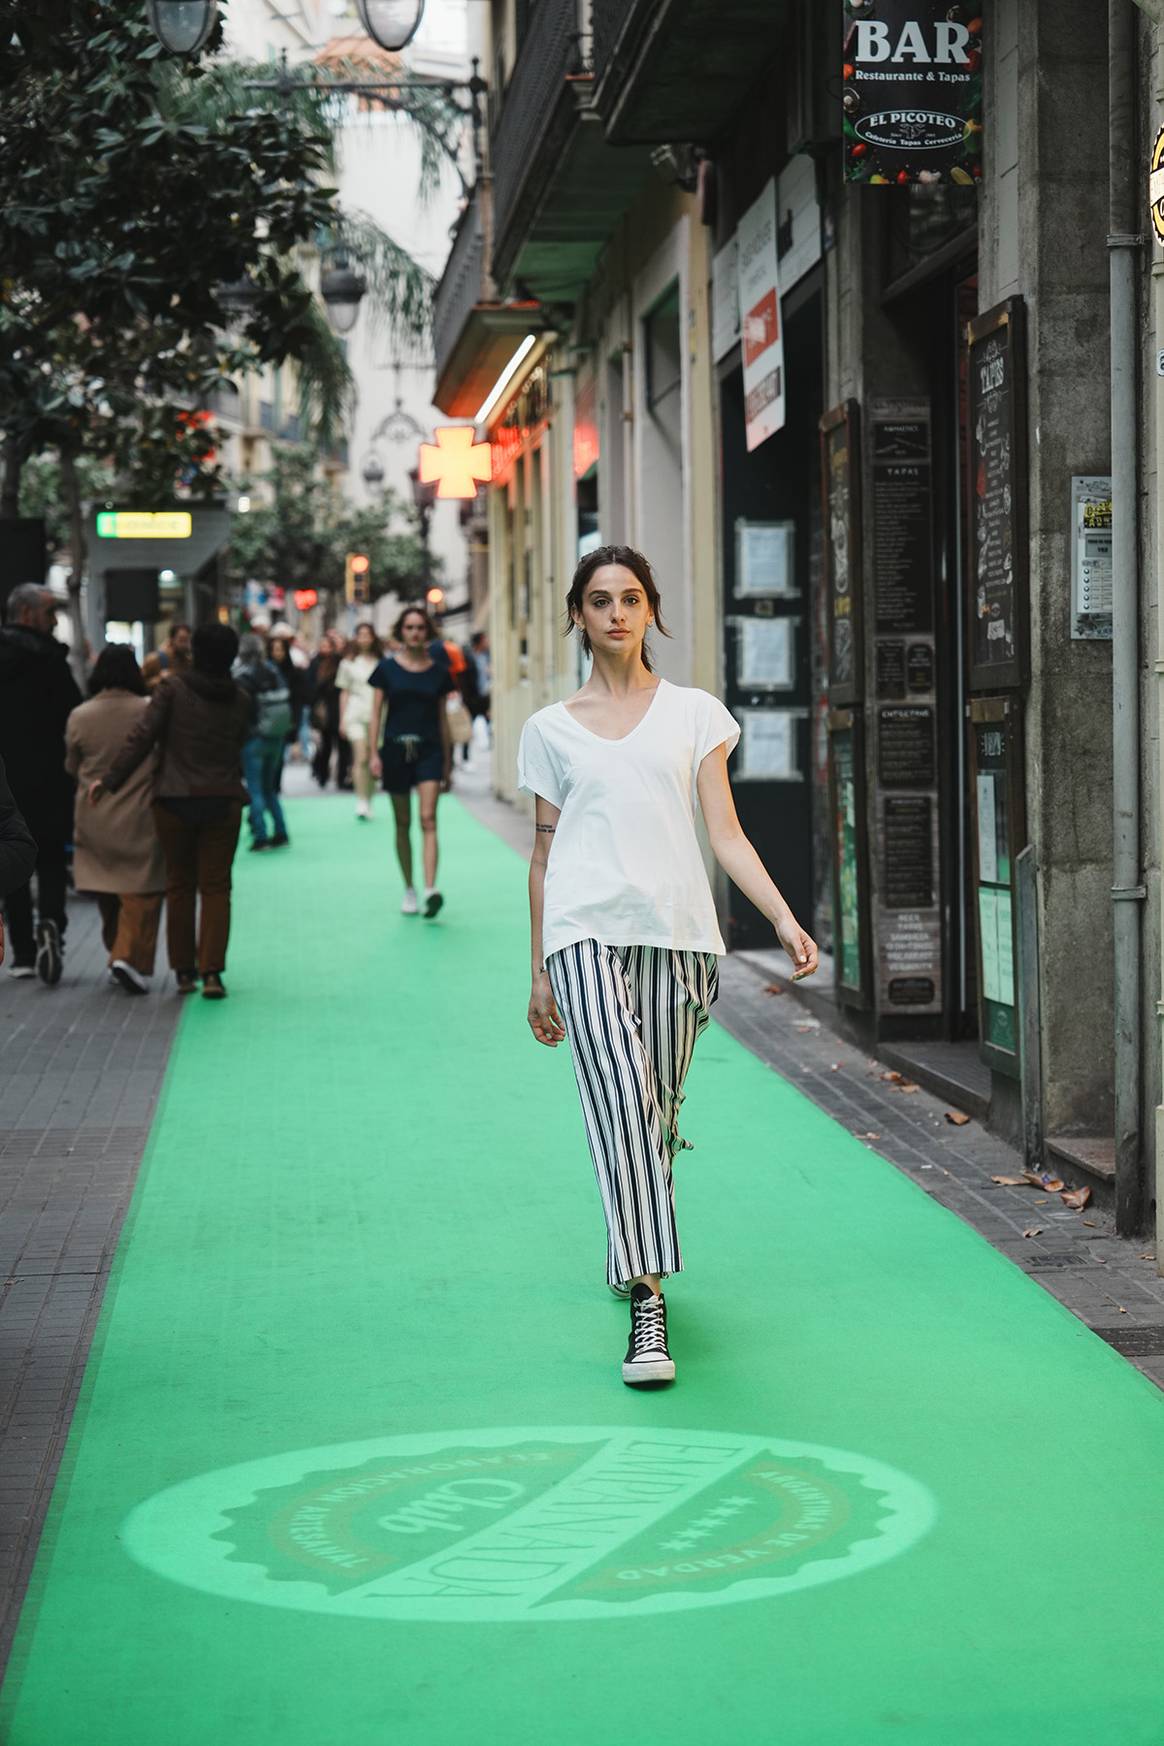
(999, 833)
(850, 873)
(761, 323)
(840, 491)
(912, 91)
(998, 499)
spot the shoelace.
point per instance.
(650, 1326)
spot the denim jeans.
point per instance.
(261, 761)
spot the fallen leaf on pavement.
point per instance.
(773, 988)
(1035, 1231)
(893, 1077)
(1010, 1181)
(957, 1118)
(1091, 1222)
(835, 1067)
(907, 1085)
(1076, 1197)
(1044, 1179)
(1148, 1257)
(813, 1025)
(866, 1136)
(1121, 1309)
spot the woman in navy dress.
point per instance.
(416, 751)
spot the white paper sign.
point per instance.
(768, 745)
(765, 658)
(761, 322)
(765, 558)
(725, 299)
(987, 831)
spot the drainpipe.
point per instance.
(1127, 891)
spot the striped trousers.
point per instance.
(632, 1015)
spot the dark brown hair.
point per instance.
(353, 647)
(430, 628)
(628, 559)
(116, 669)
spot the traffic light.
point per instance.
(436, 601)
(357, 580)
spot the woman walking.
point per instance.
(262, 753)
(363, 656)
(623, 926)
(117, 855)
(200, 719)
(417, 751)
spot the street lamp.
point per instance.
(342, 290)
(424, 497)
(182, 26)
(391, 23)
(372, 470)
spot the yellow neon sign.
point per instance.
(133, 524)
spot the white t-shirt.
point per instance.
(354, 673)
(625, 865)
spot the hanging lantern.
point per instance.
(391, 23)
(182, 26)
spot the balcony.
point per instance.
(558, 188)
(677, 69)
(474, 332)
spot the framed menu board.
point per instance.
(998, 498)
(851, 937)
(841, 493)
(996, 763)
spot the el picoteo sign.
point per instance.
(133, 524)
(912, 92)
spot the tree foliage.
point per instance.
(137, 189)
(301, 537)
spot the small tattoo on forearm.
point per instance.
(544, 827)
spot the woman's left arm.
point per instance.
(743, 866)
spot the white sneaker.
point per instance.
(647, 1358)
(362, 809)
(128, 978)
(22, 972)
(409, 905)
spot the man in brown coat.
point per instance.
(199, 720)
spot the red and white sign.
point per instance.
(761, 328)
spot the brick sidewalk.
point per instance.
(1110, 1283)
(81, 1066)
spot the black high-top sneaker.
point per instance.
(647, 1358)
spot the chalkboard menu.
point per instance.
(841, 494)
(998, 499)
(850, 864)
(905, 747)
(903, 565)
(907, 834)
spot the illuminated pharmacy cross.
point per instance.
(455, 462)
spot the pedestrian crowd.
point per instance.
(136, 795)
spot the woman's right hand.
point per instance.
(374, 765)
(545, 1021)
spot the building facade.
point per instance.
(890, 524)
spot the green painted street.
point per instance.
(353, 1462)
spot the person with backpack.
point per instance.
(262, 754)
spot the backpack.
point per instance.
(273, 706)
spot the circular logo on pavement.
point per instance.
(541, 1523)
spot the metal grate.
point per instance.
(1134, 1342)
(1038, 1263)
(548, 54)
(462, 282)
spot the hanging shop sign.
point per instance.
(998, 487)
(850, 866)
(912, 91)
(841, 495)
(761, 325)
(133, 524)
(909, 925)
(999, 833)
(725, 299)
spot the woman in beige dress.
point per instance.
(117, 854)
